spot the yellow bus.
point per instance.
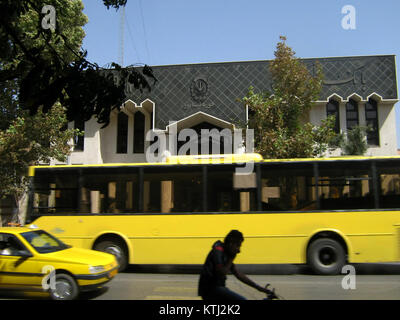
(322, 212)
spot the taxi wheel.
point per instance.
(115, 248)
(65, 288)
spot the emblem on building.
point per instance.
(199, 89)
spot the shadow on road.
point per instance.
(93, 294)
(38, 295)
(266, 269)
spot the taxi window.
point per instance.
(43, 242)
(10, 245)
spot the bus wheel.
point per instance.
(65, 288)
(117, 249)
(326, 256)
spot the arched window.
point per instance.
(138, 128)
(332, 109)
(371, 118)
(351, 114)
(122, 133)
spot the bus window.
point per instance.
(388, 184)
(55, 192)
(89, 190)
(345, 185)
(109, 190)
(288, 187)
(228, 191)
(169, 189)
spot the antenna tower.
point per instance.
(122, 36)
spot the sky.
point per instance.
(165, 32)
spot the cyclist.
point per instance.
(218, 264)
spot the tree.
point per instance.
(22, 141)
(39, 69)
(30, 140)
(72, 20)
(279, 118)
(355, 143)
(30, 55)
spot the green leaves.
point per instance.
(355, 141)
(30, 140)
(41, 68)
(50, 66)
(280, 118)
(114, 3)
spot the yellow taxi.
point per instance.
(31, 259)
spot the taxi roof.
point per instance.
(15, 229)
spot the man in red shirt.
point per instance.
(218, 264)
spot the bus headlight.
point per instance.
(96, 269)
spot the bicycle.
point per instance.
(271, 294)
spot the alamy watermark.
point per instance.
(49, 279)
(349, 20)
(166, 144)
(49, 20)
(349, 280)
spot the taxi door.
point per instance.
(18, 266)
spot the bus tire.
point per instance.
(66, 288)
(326, 256)
(116, 248)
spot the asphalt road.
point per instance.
(371, 282)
